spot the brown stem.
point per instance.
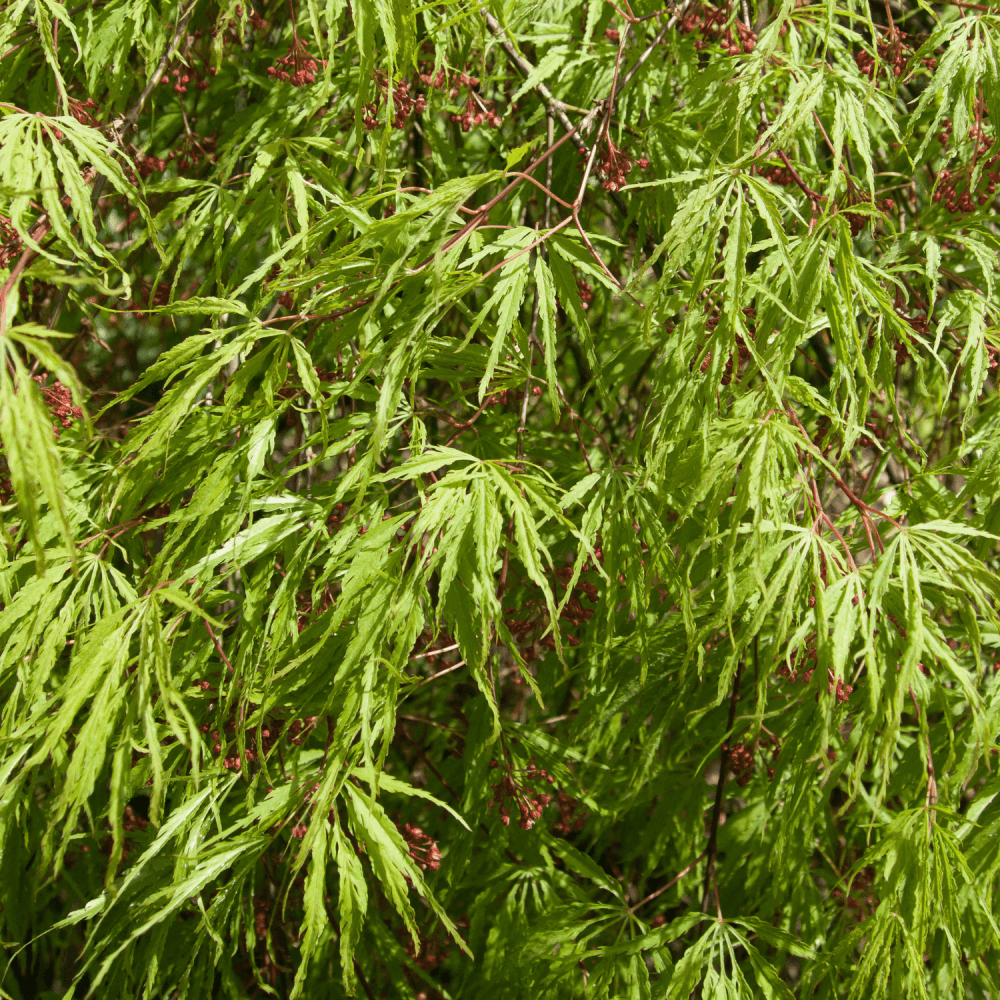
(27, 256)
(59, 83)
(813, 196)
(133, 116)
(663, 888)
(364, 982)
(462, 428)
(932, 792)
(218, 646)
(523, 421)
(713, 831)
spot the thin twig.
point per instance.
(664, 888)
(133, 116)
(932, 792)
(713, 831)
(218, 646)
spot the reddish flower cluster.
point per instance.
(919, 323)
(877, 431)
(572, 815)
(712, 23)
(615, 164)
(404, 103)
(861, 902)
(270, 731)
(306, 608)
(586, 293)
(462, 80)
(422, 848)
(963, 203)
(60, 402)
(740, 761)
(261, 912)
(529, 802)
(526, 630)
(433, 952)
(437, 81)
(741, 756)
(192, 150)
(182, 76)
(713, 315)
(856, 220)
(158, 297)
(797, 669)
(256, 22)
(613, 35)
(501, 398)
(476, 112)
(10, 242)
(840, 690)
(133, 821)
(776, 175)
(891, 52)
(80, 110)
(336, 517)
(297, 67)
(822, 429)
(981, 141)
(146, 164)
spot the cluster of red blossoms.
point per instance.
(406, 101)
(713, 24)
(256, 21)
(297, 67)
(945, 191)
(856, 220)
(797, 669)
(80, 110)
(476, 112)
(524, 630)
(615, 164)
(159, 296)
(404, 104)
(529, 802)
(965, 202)
(505, 396)
(740, 758)
(60, 403)
(270, 732)
(840, 690)
(876, 431)
(192, 151)
(743, 355)
(891, 52)
(181, 76)
(10, 242)
(422, 848)
(862, 901)
(781, 176)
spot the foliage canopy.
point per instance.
(417, 418)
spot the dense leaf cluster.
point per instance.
(499, 500)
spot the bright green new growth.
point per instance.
(419, 418)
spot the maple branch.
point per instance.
(713, 831)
